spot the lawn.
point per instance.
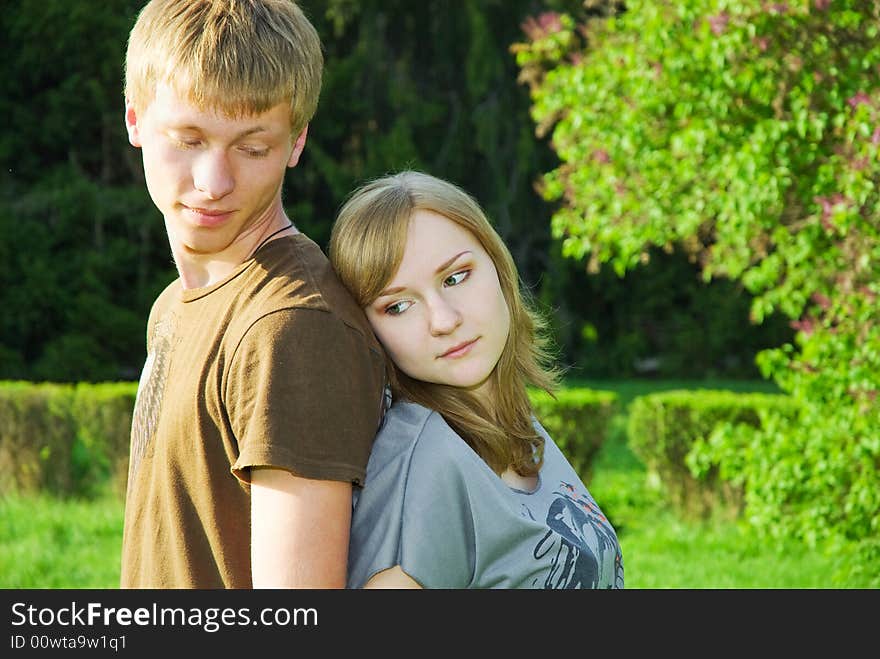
(51, 543)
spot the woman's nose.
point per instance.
(444, 317)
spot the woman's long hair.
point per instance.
(366, 248)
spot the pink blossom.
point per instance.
(601, 156)
(762, 43)
(719, 23)
(777, 7)
(547, 23)
(821, 5)
(550, 21)
(875, 138)
(822, 300)
(858, 98)
(805, 325)
(828, 204)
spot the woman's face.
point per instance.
(442, 318)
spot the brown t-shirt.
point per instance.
(274, 366)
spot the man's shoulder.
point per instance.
(293, 282)
(295, 273)
(166, 298)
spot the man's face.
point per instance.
(214, 178)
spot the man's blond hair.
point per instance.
(237, 57)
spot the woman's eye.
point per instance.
(397, 308)
(456, 278)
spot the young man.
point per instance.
(262, 388)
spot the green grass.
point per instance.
(662, 551)
(46, 542)
(50, 543)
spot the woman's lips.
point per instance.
(460, 350)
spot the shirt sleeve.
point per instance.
(414, 510)
(304, 393)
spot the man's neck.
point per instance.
(199, 270)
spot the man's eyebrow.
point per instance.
(443, 266)
(244, 133)
(251, 131)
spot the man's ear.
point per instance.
(131, 124)
(298, 147)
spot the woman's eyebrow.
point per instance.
(443, 266)
(448, 263)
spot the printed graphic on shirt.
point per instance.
(151, 390)
(580, 543)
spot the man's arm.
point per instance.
(299, 530)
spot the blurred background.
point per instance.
(690, 189)
(432, 86)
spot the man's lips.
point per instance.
(207, 216)
(459, 350)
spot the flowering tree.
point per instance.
(746, 133)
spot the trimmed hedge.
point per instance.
(578, 420)
(663, 428)
(64, 439)
(74, 439)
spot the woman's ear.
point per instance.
(131, 124)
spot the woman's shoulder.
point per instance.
(419, 433)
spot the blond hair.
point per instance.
(366, 248)
(238, 57)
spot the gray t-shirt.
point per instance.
(431, 505)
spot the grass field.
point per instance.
(49, 543)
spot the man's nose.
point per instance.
(444, 317)
(213, 174)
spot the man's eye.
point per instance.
(397, 308)
(456, 278)
(255, 152)
(186, 144)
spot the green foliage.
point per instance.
(747, 134)
(83, 251)
(578, 421)
(36, 434)
(69, 543)
(103, 414)
(74, 439)
(797, 483)
(664, 429)
(65, 439)
(661, 320)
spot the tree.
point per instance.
(746, 134)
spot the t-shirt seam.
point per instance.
(293, 462)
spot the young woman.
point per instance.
(464, 488)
